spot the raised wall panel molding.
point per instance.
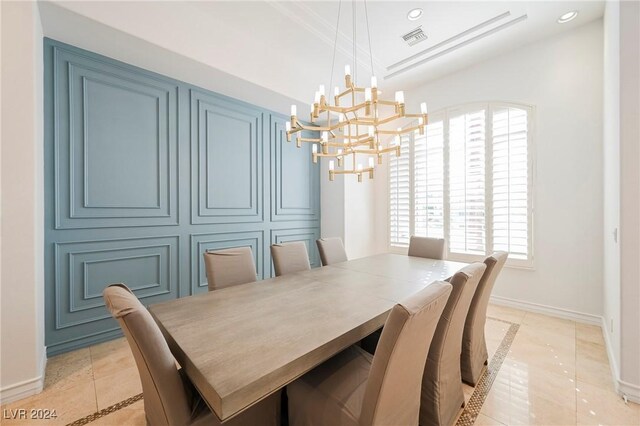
(149, 266)
(201, 243)
(115, 146)
(226, 160)
(293, 177)
(143, 173)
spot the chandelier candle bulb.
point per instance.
(423, 108)
(287, 127)
(367, 94)
(314, 148)
(294, 110)
(321, 90)
(374, 82)
(347, 76)
(400, 97)
(371, 162)
(316, 98)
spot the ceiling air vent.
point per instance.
(415, 36)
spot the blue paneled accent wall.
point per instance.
(143, 174)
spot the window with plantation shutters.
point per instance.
(428, 171)
(467, 179)
(467, 208)
(510, 182)
(399, 195)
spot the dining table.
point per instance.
(240, 344)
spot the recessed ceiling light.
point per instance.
(569, 16)
(414, 14)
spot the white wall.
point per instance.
(630, 199)
(359, 213)
(611, 176)
(22, 291)
(562, 77)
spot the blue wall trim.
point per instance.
(142, 174)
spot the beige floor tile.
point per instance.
(598, 406)
(68, 370)
(506, 313)
(496, 404)
(132, 415)
(590, 333)
(69, 403)
(110, 357)
(117, 387)
(483, 420)
(525, 395)
(534, 348)
(592, 365)
(540, 397)
(558, 326)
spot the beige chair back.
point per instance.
(331, 251)
(229, 267)
(392, 395)
(290, 257)
(474, 347)
(431, 248)
(166, 401)
(442, 396)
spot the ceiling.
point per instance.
(287, 46)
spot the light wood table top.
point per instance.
(240, 344)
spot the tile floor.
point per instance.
(556, 373)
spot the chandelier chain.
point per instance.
(355, 51)
(335, 46)
(366, 15)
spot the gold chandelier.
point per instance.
(364, 125)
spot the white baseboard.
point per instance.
(548, 310)
(629, 390)
(625, 389)
(25, 388)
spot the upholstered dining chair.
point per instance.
(432, 248)
(290, 257)
(442, 396)
(474, 347)
(169, 397)
(354, 388)
(331, 251)
(229, 267)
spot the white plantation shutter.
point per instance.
(467, 183)
(468, 179)
(510, 204)
(428, 185)
(400, 196)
